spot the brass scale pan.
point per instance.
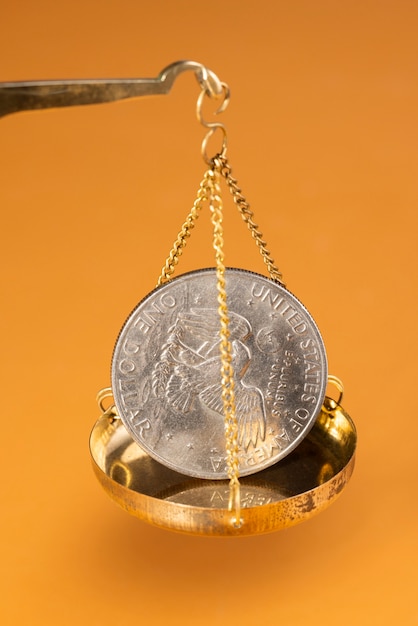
(301, 485)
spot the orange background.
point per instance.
(323, 139)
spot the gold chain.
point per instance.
(210, 190)
(247, 215)
(227, 372)
(185, 232)
(220, 164)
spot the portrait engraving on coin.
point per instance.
(166, 375)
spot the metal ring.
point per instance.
(210, 82)
(337, 382)
(227, 95)
(213, 126)
(222, 152)
(102, 395)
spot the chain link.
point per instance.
(227, 372)
(210, 191)
(185, 232)
(221, 163)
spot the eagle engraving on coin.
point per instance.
(167, 380)
(188, 371)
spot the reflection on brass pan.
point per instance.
(293, 490)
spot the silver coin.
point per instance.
(166, 372)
